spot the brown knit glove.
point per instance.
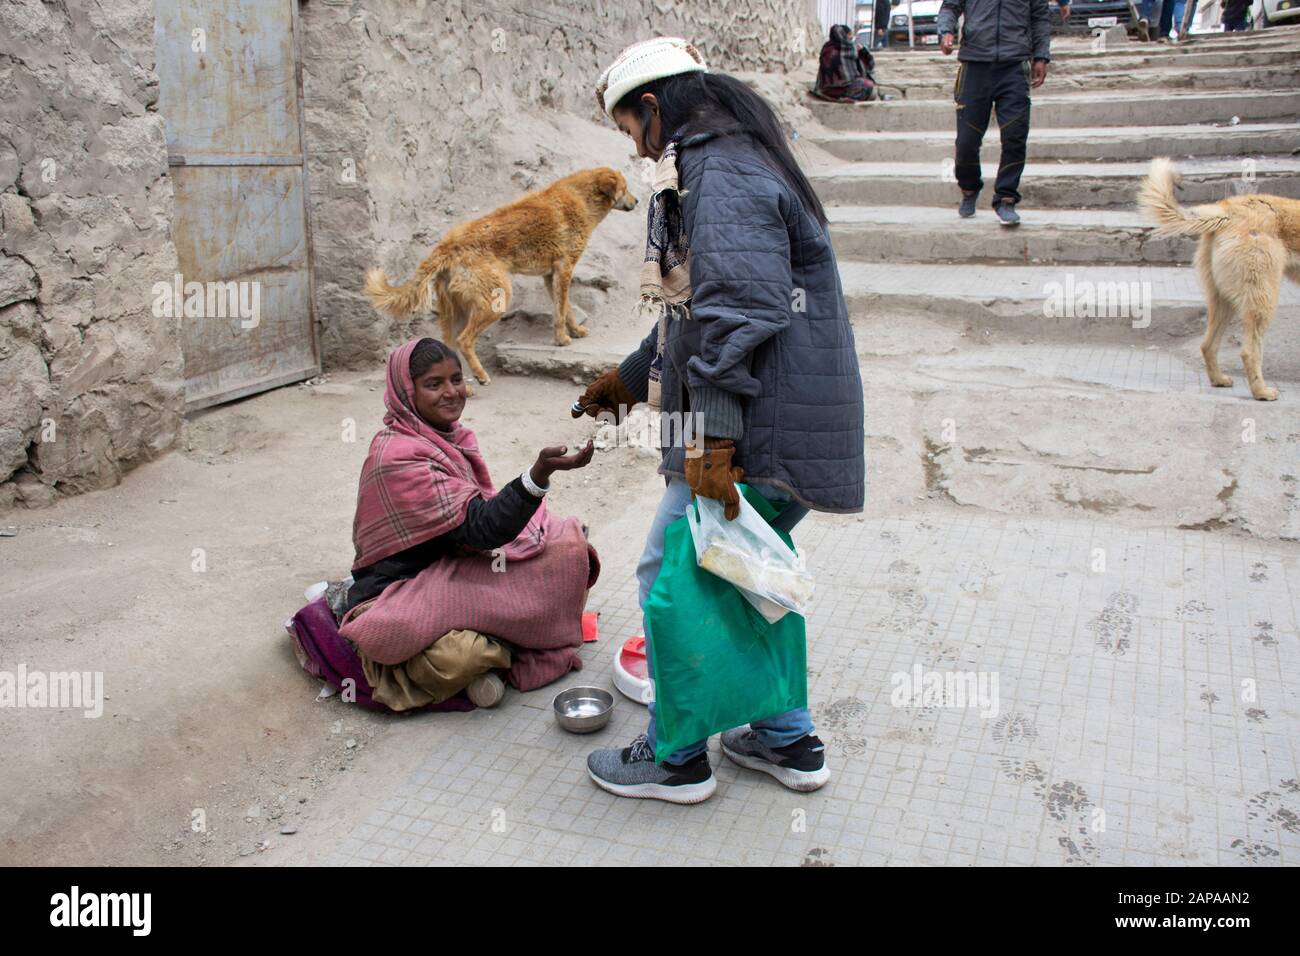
(607, 393)
(711, 474)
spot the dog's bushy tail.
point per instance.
(1156, 198)
(401, 301)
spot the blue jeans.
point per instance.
(774, 731)
(1171, 17)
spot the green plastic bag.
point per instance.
(718, 663)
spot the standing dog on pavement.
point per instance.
(1248, 243)
(541, 233)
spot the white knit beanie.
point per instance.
(645, 61)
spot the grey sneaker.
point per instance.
(632, 772)
(799, 766)
(967, 207)
(1007, 214)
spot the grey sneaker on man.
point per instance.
(1007, 214)
(967, 207)
(799, 766)
(632, 772)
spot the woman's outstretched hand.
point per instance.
(554, 459)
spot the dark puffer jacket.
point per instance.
(768, 356)
(998, 31)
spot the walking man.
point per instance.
(999, 40)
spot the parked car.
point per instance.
(1268, 13)
(1090, 15)
(925, 14)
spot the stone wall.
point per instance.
(420, 114)
(90, 381)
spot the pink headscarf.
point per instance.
(417, 481)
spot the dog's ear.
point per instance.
(609, 182)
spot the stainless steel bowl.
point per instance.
(581, 710)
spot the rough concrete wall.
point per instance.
(90, 381)
(424, 114)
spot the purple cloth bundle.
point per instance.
(323, 653)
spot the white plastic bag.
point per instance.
(748, 553)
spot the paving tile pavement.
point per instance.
(1140, 368)
(999, 283)
(1145, 713)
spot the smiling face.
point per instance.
(629, 124)
(440, 394)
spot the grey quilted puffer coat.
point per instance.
(768, 356)
(998, 31)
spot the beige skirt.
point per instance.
(441, 670)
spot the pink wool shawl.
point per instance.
(417, 484)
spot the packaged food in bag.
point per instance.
(748, 553)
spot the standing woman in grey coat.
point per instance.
(751, 344)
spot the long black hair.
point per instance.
(428, 353)
(700, 102)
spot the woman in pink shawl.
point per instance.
(453, 579)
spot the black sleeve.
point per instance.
(495, 522)
(635, 369)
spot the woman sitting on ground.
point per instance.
(844, 75)
(453, 580)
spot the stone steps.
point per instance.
(1057, 297)
(1072, 50)
(1121, 305)
(1131, 367)
(1052, 185)
(1083, 253)
(939, 86)
(1107, 109)
(922, 66)
(1094, 144)
(1013, 299)
(937, 234)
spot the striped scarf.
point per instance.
(665, 273)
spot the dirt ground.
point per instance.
(206, 707)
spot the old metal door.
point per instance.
(230, 92)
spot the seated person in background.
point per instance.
(844, 75)
(452, 579)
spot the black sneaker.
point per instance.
(1007, 214)
(632, 772)
(967, 207)
(799, 766)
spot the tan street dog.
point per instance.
(541, 233)
(1248, 243)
